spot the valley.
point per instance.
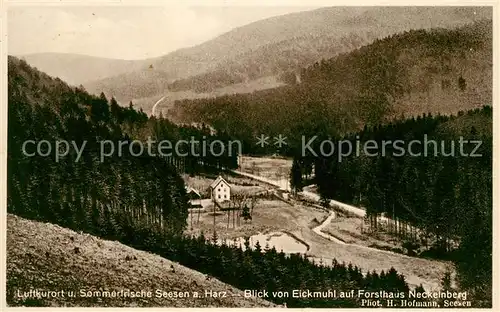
(296, 226)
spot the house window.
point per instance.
(219, 196)
(225, 196)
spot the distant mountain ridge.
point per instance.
(323, 34)
(277, 45)
(78, 69)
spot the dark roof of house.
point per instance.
(190, 190)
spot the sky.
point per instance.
(125, 32)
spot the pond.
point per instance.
(279, 240)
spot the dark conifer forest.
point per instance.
(442, 202)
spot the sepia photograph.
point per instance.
(252, 156)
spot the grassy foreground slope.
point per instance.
(44, 256)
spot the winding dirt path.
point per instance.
(417, 271)
(319, 228)
(153, 112)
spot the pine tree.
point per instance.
(296, 176)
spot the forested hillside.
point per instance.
(83, 194)
(282, 60)
(408, 74)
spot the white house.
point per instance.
(220, 190)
